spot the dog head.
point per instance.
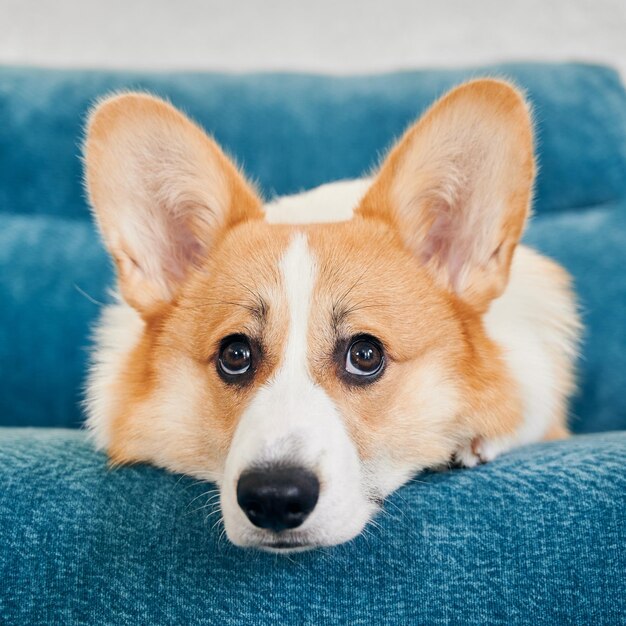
(309, 370)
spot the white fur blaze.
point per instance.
(291, 420)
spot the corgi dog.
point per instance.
(312, 354)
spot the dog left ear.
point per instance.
(162, 192)
(457, 187)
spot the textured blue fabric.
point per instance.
(536, 537)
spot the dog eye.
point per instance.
(365, 357)
(235, 357)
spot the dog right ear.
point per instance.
(162, 192)
(457, 188)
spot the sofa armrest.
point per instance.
(537, 536)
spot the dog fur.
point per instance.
(479, 333)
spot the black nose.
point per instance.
(278, 498)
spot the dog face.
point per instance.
(309, 370)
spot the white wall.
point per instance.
(318, 35)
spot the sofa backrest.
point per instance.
(289, 132)
(292, 132)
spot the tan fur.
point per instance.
(215, 302)
(437, 350)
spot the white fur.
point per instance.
(116, 335)
(532, 322)
(333, 202)
(292, 420)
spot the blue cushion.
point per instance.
(535, 537)
(53, 272)
(591, 244)
(293, 132)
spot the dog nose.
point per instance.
(278, 498)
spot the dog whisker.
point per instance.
(210, 493)
(91, 299)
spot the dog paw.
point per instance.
(480, 451)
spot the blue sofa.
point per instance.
(538, 536)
